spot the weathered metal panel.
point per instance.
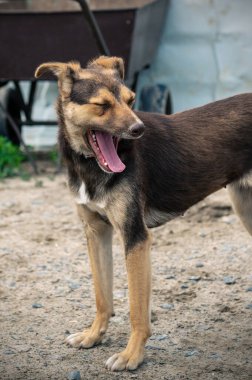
(205, 53)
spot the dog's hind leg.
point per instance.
(99, 239)
(241, 196)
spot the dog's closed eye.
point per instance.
(103, 107)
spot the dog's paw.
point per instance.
(83, 339)
(124, 360)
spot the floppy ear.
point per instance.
(66, 73)
(110, 63)
(54, 67)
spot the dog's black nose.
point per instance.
(137, 129)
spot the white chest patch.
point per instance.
(83, 199)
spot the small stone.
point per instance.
(229, 219)
(225, 309)
(5, 250)
(118, 294)
(203, 327)
(118, 320)
(184, 286)
(170, 277)
(249, 306)
(229, 280)
(154, 317)
(149, 347)
(37, 305)
(37, 202)
(199, 265)
(159, 337)
(191, 353)
(23, 348)
(74, 375)
(214, 355)
(249, 289)
(15, 337)
(9, 352)
(73, 285)
(194, 278)
(202, 234)
(216, 320)
(42, 267)
(48, 338)
(167, 306)
(107, 342)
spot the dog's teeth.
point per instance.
(105, 163)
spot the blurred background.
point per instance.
(178, 54)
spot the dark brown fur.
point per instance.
(179, 160)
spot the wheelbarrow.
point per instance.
(34, 32)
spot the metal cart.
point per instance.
(39, 31)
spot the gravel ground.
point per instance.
(202, 291)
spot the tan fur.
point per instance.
(103, 96)
(113, 120)
(126, 94)
(241, 195)
(99, 239)
(117, 119)
(109, 63)
(62, 71)
(116, 208)
(139, 282)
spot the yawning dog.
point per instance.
(130, 171)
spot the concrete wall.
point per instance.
(205, 53)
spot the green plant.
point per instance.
(10, 158)
(54, 155)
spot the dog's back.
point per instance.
(189, 155)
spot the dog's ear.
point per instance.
(65, 72)
(110, 63)
(54, 67)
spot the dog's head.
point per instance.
(96, 108)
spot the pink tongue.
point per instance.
(107, 147)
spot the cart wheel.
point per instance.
(155, 99)
(10, 101)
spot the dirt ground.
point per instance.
(201, 324)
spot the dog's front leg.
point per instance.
(99, 239)
(139, 283)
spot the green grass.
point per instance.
(10, 158)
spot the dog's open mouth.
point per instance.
(105, 146)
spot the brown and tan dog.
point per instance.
(130, 171)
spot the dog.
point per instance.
(130, 171)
